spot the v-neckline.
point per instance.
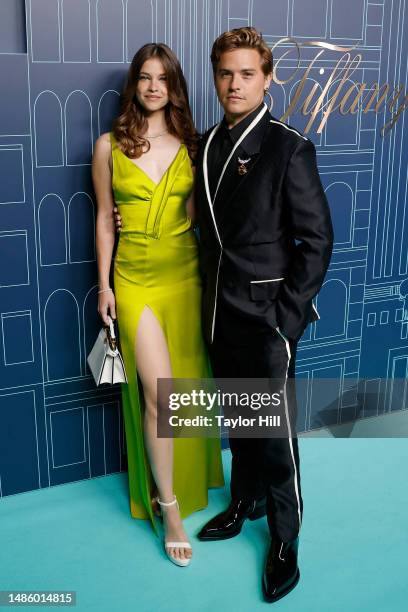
(145, 173)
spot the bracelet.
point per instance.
(103, 290)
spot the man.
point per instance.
(265, 244)
(266, 239)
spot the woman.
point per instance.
(144, 166)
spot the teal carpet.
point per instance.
(352, 556)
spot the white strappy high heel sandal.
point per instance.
(167, 545)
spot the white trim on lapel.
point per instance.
(240, 139)
(210, 202)
(205, 163)
(205, 172)
(207, 191)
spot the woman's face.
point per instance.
(151, 89)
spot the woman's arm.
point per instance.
(105, 228)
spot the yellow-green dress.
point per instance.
(156, 265)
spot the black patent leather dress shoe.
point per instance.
(229, 523)
(281, 573)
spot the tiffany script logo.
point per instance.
(343, 97)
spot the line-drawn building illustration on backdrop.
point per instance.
(55, 426)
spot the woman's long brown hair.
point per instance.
(131, 124)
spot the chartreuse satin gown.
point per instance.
(156, 265)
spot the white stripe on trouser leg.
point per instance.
(285, 398)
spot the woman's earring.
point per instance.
(268, 93)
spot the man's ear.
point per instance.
(268, 81)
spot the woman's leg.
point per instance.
(153, 362)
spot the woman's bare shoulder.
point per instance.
(104, 141)
(103, 147)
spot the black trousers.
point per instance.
(268, 466)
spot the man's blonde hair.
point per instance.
(242, 38)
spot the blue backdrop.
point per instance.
(62, 65)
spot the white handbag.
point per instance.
(105, 360)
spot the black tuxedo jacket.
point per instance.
(267, 238)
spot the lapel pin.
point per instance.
(242, 169)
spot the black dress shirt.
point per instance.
(223, 143)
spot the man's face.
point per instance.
(240, 82)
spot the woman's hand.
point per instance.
(118, 219)
(107, 306)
